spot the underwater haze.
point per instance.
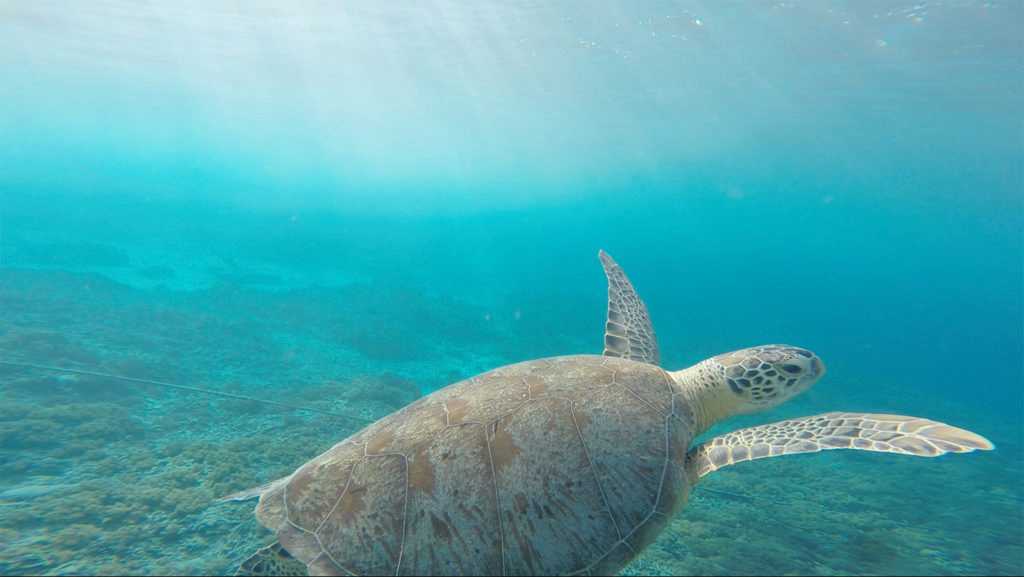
(346, 206)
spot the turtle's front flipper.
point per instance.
(271, 560)
(864, 431)
(628, 332)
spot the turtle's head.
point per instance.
(763, 377)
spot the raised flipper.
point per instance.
(271, 560)
(864, 431)
(628, 332)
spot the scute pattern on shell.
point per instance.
(562, 465)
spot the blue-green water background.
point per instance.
(347, 206)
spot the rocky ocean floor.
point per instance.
(99, 476)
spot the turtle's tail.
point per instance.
(254, 492)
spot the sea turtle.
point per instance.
(564, 465)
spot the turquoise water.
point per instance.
(348, 206)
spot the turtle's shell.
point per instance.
(562, 465)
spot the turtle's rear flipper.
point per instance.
(271, 560)
(864, 431)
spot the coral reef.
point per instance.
(102, 477)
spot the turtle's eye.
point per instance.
(791, 369)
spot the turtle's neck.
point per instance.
(703, 388)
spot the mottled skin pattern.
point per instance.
(555, 466)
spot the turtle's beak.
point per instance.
(817, 368)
